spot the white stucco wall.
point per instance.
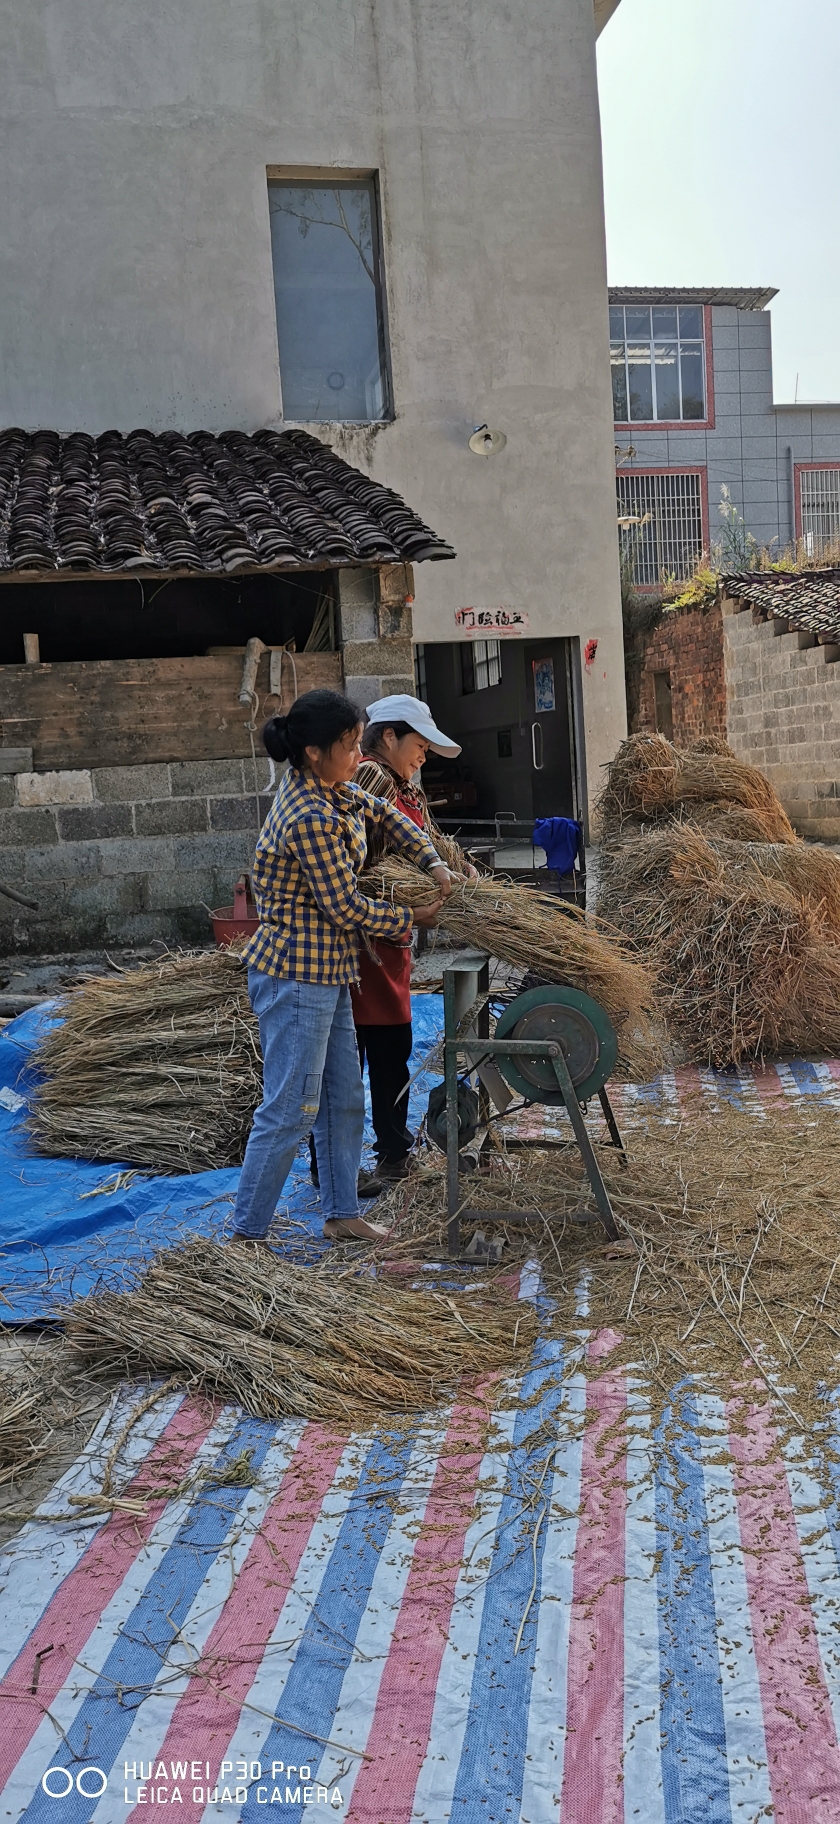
(135, 263)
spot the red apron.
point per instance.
(383, 995)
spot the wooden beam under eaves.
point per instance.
(604, 10)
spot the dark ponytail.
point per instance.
(317, 719)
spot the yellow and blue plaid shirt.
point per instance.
(311, 848)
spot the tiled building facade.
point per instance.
(694, 413)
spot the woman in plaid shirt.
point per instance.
(304, 957)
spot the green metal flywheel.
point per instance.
(578, 1024)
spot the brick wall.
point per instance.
(123, 854)
(783, 715)
(687, 644)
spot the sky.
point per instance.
(720, 134)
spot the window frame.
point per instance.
(486, 659)
(800, 468)
(674, 424)
(331, 178)
(691, 468)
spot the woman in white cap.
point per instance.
(395, 743)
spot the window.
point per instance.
(328, 291)
(661, 525)
(657, 359)
(420, 679)
(819, 505)
(481, 665)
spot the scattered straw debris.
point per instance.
(534, 930)
(303, 1341)
(729, 1261)
(160, 1067)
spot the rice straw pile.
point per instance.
(650, 779)
(159, 1067)
(282, 1340)
(729, 1265)
(744, 938)
(534, 930)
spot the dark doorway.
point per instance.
(511, 706)
(663, 705)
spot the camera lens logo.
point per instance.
(91, 1782)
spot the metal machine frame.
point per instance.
(466, 1028)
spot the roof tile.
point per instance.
(162, 501)
(808, 600)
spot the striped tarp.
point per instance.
(593, 1622)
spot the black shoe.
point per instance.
(391, 1170)
(368, 1185)
(385, 1173)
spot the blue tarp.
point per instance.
(61, 1234)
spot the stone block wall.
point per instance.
(783, 715)
(124, 854)
(687, 644)
(375, 607)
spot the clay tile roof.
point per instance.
(161, 501)
(808, 600)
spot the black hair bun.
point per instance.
(276, 738)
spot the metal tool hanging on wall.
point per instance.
(551, 1045)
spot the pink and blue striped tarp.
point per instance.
(549, 1622)
(594, 1623)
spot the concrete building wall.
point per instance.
(754, 444)
(783, 716)
(135, 261)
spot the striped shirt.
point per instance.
(312, 846)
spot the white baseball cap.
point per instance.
(388, 710)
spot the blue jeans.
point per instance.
(311, 1081)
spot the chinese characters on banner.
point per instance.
(490, 623)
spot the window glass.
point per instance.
(693, 391)
(327, 287)
(488, 663)
(819, 500)
(639, 375)
(666, 538)
(664, 319)
(691, 320)
(667, 380)
(638, 320)
(619, 382)
(658, 377)
(617, 321)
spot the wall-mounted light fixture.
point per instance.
(485, 442)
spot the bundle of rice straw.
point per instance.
(534, 930)
(282, 1340)
(160, 1067)
(649, 779)
(811, 872)
(744, 938)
